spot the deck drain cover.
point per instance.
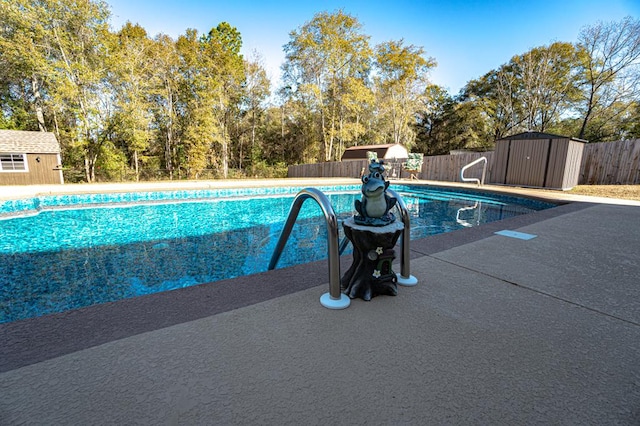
(516, 234)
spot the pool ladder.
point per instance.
(480, 182)
(335, 299)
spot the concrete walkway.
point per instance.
(499, 330)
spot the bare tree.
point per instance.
(611, 62)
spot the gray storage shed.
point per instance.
(540, 160)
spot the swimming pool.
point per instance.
(69, 251)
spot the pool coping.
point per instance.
(38, 339)
(17, 192)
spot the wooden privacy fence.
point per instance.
(611, 163)
(605, 163)
(437, 167)
(447, 167)
(351, 168)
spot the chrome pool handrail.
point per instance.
(480, 182)
(405, 277)
(334, 299)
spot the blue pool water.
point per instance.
(64, 252)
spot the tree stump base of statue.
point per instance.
(371, 272)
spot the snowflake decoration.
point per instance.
(379, 250)
(376, 274)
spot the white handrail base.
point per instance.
(329, 302)
(409, 281)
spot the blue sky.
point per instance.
(466, 37)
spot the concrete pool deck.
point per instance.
(498, 330)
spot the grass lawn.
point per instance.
(629, 192)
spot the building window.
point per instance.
(13, 163)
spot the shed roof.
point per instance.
(17, 141)
(360, 152)
(539, 135)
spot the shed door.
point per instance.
(527, 162)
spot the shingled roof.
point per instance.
(21, 141)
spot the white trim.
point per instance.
(24, 161)
(60, 167)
